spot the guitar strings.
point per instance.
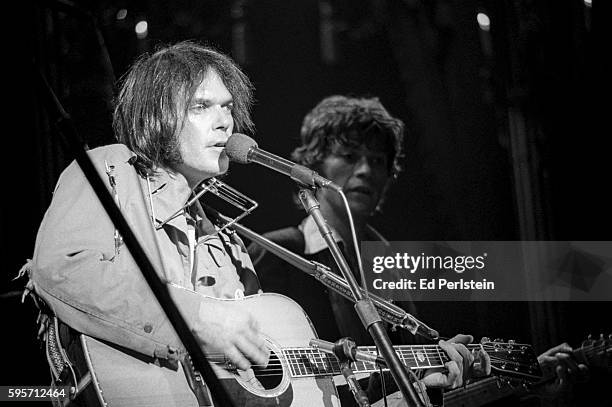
(324, 357)
(435, 352)
(318, 364)
(307, 362)
(430, 352)
(314, 367)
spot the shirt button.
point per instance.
(148, 328)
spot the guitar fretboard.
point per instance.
(313, 362)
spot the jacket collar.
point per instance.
(168, 193)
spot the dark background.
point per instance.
(506, 129)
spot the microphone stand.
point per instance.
(364, 306)
(79, 150)
(344, 349)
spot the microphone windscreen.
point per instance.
(237, 147)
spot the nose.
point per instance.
(363, 167)
(224, 119)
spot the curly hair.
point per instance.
(156, 93)
(349, 121)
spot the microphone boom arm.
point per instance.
(389, 312)
(244, 150)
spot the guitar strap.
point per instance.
(62, 370)
(196, 383)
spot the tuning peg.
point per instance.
(511, 341)
(498, 340)
(486, 339)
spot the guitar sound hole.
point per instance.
(272, 375)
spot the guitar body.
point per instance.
(123, 378)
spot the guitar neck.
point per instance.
(596, 353)
(313, 362)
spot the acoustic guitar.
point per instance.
(296, 375)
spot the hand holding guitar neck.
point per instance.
(569, 366)
(557, 362)
(518, 372)
(462, 366)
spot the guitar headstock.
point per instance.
(512, 359)
(595, 352)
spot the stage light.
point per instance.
(588, 3)
(121, 14)
(141, 29)
(483, 21)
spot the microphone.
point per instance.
(356, 355)
(244, 150)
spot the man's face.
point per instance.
(361, 171)
(207, 125)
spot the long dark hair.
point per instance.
(156, 93)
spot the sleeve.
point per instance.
(90, 286)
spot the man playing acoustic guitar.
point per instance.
(174, 113)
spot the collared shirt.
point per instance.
(207, 256)
(90, 281)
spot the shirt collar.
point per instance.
(314, 242)
(169, 192)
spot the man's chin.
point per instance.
(360, 208)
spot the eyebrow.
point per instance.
(208, 101)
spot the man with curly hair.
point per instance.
(357, 144)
